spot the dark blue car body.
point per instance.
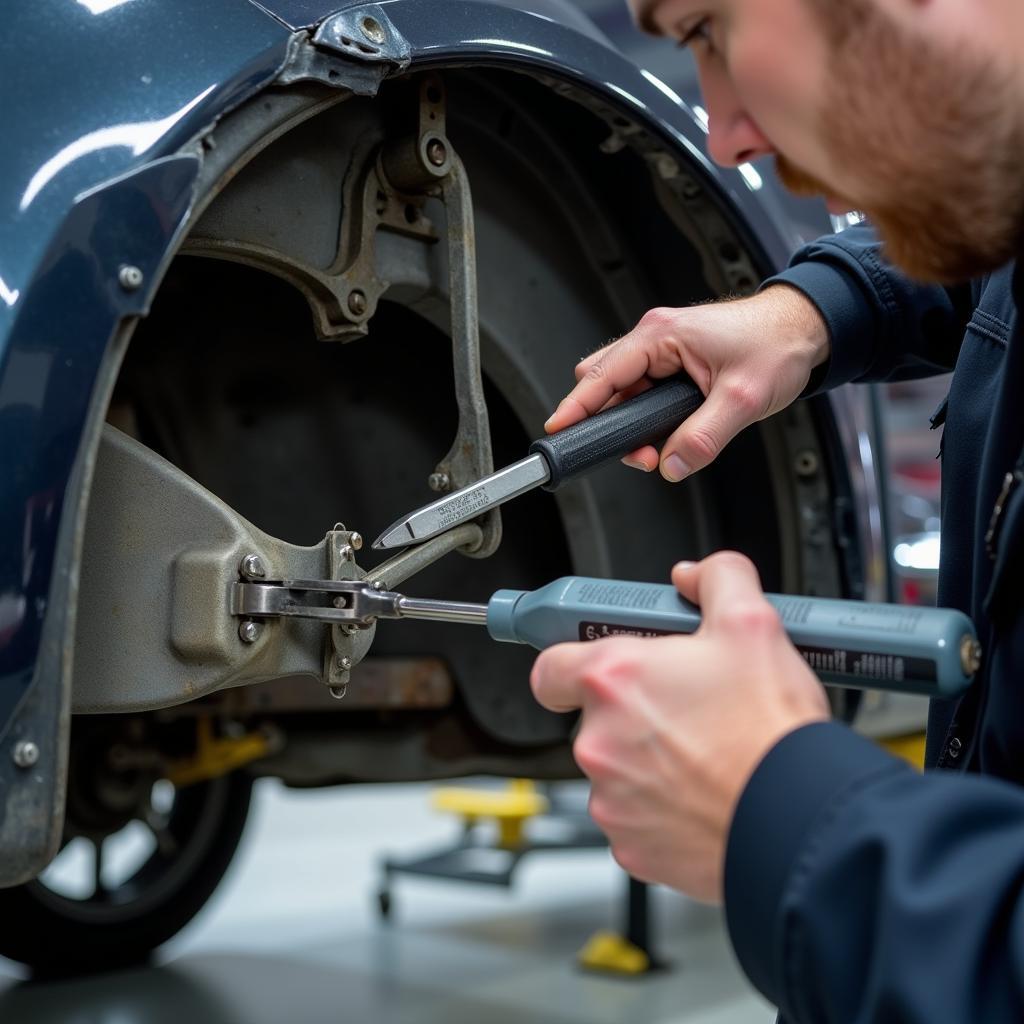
(107, 107)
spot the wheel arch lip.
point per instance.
(233, 51)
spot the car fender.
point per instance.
(101, 164)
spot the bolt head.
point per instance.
(25, 753)
(345, 552)
(357, 302)
(373, 30)
(129, 277)
(344, 664)
(437, 152)
(356, 540)
(249, 631)
(439, 482)
(252, 567)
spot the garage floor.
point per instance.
(293, 937)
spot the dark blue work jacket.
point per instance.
(857, 890)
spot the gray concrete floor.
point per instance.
(292, 937)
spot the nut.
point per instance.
(356, 540)
(344, 664)
(439, 482)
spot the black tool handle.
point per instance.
(646, 419)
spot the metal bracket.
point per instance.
(364, 33)
(427, 162)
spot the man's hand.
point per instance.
(673, 728)
(751, 358)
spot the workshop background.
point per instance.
(402, 903)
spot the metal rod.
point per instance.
(412, 560)
(443, 611)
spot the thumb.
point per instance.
(699, 440)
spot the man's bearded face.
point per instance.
(937, 170)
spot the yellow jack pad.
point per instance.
(610, 953)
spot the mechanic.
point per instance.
(855, 889)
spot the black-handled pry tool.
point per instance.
(646, 419)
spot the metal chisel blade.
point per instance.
(466, 504)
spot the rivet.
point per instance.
(129, 277)
(25, 753)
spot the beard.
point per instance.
(934, 140)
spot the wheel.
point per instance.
(140, 859)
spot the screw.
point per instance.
(373, 30)
(356, 302)
(129, 277)
(970, 655)
(437, 152)
(356, 540)
(249, 631)
(25, 753)
(378, 584)
(439, 482)
(345, 552)
(344, 664)
(252, 567)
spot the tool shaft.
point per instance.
(442, 611)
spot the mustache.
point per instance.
(797, 181)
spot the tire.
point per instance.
(55, 934)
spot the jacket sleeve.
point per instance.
(858, 890)
(882, 325)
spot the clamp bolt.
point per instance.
(249, 631)
(25, 753)
(357, 302)
(373, 30)
(129, 277)
(439, 482)
(356, 540)
(437, 152)
(252, 567)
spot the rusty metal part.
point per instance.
(344, 295)
(217, 755)
(427, 161)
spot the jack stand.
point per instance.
(629, 953)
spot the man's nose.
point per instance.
(735, 140)
(733, 136)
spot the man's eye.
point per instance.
(699, 32)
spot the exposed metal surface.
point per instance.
(161, 556)
(329, 601)
(467, 503)
(364, 33)
(397, 570)
(433, 610)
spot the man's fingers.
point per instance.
(555, 678)
(700, 439)
(727, 587)
(643, 458)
